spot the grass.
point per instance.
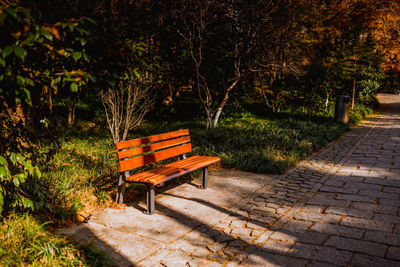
(24, 241)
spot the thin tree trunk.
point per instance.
(224, 101)
(71, 111)
(354, 94)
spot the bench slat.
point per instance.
(132, 163)
(151, 139)
(157, 146)
(192, 167)
(173, 170)
(163, 169)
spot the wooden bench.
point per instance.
(142, 151)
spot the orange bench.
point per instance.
(142, 151)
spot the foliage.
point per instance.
(20, 183)
(38, 60)
(25, 242)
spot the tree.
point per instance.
(126, 105)
(224, 39)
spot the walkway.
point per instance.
(340, 207)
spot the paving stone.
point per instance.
(212, 264)
(366, 247)
(390, 189)
(378, 194)
(183, 245)
(199, 252)
(327, 199)
(218, 257)
(366, 199)
(390, 202)
(231, 251)
(365, 260)
(315, 217)
(175, 258)
(262, 258)
(370, 187)
(319, 264)
(313, 208)
(241, 232)
(195, 262)
(223, 238)
(383, 237)
(321, 253)
(334, 182)
(375, 208)
(390, 219)
(237, 223)
(232, 264)
(296, 225)
(338, 230)
(303, 237)
(366, 224)
(387, 182)
(255, 225)
(349, 212)
(338, 189)
(393, 253)
(277, 246)
(216, 247)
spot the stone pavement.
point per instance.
(339, 207)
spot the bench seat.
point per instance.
(172, 170)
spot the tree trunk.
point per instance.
(71, 111)
(224, 101)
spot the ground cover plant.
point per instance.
(24, 241)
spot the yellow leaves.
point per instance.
(61, 52)
(48, 46)
(53, 31)
(16, 35)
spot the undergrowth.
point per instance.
(24, 241)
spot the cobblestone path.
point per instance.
(340, 207)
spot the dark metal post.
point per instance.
(121, 187)
(150, 199)
(204, 180)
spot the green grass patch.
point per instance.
(24, 241)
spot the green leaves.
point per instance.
(4, 172)
(20, 52)
(46, 34)
(137, 74)
(76, 55)
(19, 184)
(74, 87)
(7, 51)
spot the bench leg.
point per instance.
(204, 180)
(121, 189)
(150, 199)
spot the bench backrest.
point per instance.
(141, 151)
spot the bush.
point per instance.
(20, 184)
